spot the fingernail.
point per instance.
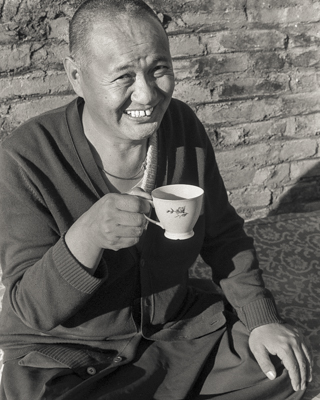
(297, 388)
(270, 375)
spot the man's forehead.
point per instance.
(128, 39)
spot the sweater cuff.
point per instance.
(260, 312)
(71, 270)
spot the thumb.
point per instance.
(139, 192)
(262, 357)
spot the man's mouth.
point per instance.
(140, 113)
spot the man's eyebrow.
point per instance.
(162, 59)
(125, 67)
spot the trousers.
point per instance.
(160, 371)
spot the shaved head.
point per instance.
(99, 12)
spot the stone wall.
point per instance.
(249, 68)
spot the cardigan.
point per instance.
(53, 306)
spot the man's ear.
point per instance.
(74, 75)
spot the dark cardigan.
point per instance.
(48, 179)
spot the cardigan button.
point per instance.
(142, 263)
(91, 370)
(117, 359)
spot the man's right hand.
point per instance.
(114, 222)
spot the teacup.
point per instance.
(178, 208)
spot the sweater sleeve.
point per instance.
(45, 283)
(231, 255)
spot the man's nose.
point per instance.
(144, 91)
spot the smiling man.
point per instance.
(98, 305)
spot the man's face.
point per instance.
(128, 83)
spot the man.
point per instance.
(98, 305)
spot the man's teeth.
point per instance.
(140, 113)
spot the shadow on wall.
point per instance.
(302, 196)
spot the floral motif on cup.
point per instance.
(180, 212)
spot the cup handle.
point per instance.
(154, 222)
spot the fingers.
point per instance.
(262, 357)
(137, 191)
(295, 370)
(298, 361)
(134, 203)
(121, 220)
(289, 345)
(309, 357)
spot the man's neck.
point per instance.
(120, 161)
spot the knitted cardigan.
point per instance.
(52, 305)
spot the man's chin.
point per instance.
(144, 131)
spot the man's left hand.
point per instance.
(289, 345)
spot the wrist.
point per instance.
(83, 248)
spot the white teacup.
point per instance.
(178, 208)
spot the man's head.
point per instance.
(121, 65)
(93, 12)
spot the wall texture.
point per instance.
(249, 68)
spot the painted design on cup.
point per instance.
(180, 211)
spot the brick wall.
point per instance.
(249, 68)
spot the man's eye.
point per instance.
(124, 78)
(160, 70)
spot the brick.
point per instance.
(249, 87)
(251, 157)
(32, 55)
(34, 84)
(21, 112)
(266, 60)
(236, 178)
(10, 9)
(4, 108)
(285, 15)
(301, 103)
(254, 4)
(192, 91)
(185, 45)
(307, 125)
(243, 40)
(303, 58)
(57, 53)
(298, 149)
(239, 112)
(185, 68)
(228, 136)
(301, 192)
(252, 197)
(216, 19)
(308, 82)
(202, 90)
(203, 5)
(303, 34)
(253, 132)
(8, 34)
(59, 29)
(305, 169)
(57, 82)
(210, 65)
(272, 176)
(15, 57)
(64, 8)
